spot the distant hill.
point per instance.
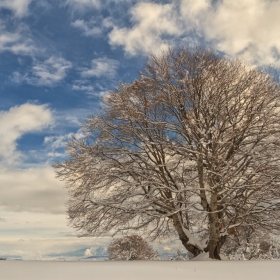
(11, 257)
(80, 254)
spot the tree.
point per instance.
(189, 148)
(254, 250)
(249, 244)
(132, 247)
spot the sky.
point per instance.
(58, 58)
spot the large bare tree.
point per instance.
(189, 148)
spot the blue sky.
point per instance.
(58, 58)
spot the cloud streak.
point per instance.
(82, 5)
(58, 142)
(101, 67)
(88, 28)
(18, 7)
(17, 41)
(47, 73)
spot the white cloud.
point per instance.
(81, 5)
(87, 253)
(97, 250)
(151, 23)
(72, 118)
(31, 190)
(86, 88)
(85, 5)
(166, 248)
(46, 73)
(96, 89)
(52, 70)
(18, 121)
(59, 141)
(90, 91)
(248, 29)
(34, 189)
(101, 67)
(8, 38)
(17, 42)
(88, 28)
(55, 143)
(18, 7)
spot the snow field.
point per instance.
(134, 270)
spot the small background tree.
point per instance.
(252, 245)
(132, 247)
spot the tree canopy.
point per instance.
(189, 148)
(130, 248)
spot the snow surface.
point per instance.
(134, 270)
(205, 257)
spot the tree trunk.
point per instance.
(184, 238)
(216, 241)
(214, 230)
(215, 250)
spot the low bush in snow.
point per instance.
(132, 247)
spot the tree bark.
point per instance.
(214, 231)
(184, 238)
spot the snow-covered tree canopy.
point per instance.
(190, 148)
(132, 247)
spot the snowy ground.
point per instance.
(134, 270)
